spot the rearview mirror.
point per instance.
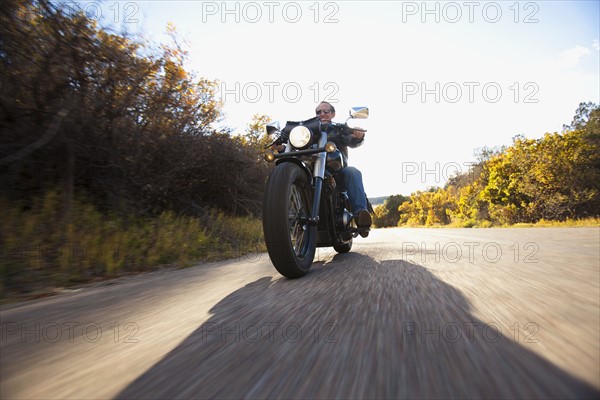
(273, 127)
(359, 112)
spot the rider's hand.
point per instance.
(278, 147)
(358, 133)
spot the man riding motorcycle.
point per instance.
(311, 191)
(351, 175)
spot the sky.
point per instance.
(441, 78)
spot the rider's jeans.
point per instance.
(355, 188)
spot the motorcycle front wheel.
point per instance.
(290, 239)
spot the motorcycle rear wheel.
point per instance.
(290, 239)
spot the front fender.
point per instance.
(298, 162)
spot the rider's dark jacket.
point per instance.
(340, 135)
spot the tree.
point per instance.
(256, 134)
(429, 208)
(106, 116)
(388, 214)
(587, 117)
(551, 178)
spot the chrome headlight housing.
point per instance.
(335, 161)
(300, 136)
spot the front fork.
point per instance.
(318, 174)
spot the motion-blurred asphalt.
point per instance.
(408, 313)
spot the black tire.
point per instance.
(291, 241)
(343, 248)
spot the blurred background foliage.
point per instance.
(551, 179)
(107, 139)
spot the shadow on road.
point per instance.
(353, 328)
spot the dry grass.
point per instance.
(41, 248)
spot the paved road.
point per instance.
(408, 313)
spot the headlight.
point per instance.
(300, 136)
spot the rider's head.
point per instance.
(325, 112)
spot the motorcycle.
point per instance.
(305, 205)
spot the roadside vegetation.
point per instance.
(112, 155)
(41, 250)
(550, 181)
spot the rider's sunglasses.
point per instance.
(319, 112)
